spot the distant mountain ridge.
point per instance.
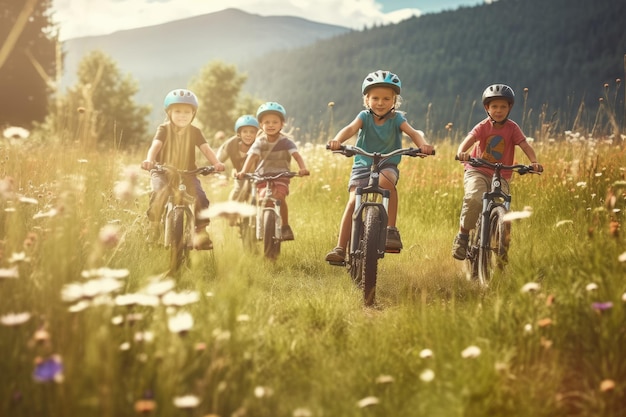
(183, 47)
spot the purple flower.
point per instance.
(49, 369)
(602, 306)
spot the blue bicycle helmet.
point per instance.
(381, 78)
(181, 96)
(498, 91)
(246, 120)
(271, 107)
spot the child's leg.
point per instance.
(388, 181)
(202, 202)
(345, 228)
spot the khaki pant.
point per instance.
(475, 184)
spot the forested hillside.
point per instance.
(563, 51)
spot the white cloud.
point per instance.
(78, 18)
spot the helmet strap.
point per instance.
(384, 115)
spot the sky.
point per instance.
(77, 18)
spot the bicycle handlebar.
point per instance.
(253, 176)
(519, 168)
(205, 170)
(349, 150)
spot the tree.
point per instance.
(218, 86)
(27, 61)
(105, 98)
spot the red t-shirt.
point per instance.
(496, 144)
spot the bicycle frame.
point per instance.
(178, 219)
(270, 205)
(369, 221)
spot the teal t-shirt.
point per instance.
(374, 138)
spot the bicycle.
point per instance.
(266, 224)
(488, 242)
(369, 221)
(178, 219)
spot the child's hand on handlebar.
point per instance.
(463, 156)
(334, 145)
(427, 149)
(303, 172)
(537, 167)
(219, 167)
(147, 165)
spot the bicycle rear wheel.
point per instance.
(271, 244)
(371, 238)
(493, 257)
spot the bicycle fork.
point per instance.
(358, 221)
(261, 209)
(186, 210)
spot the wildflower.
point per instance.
(331, 104)
(186, 401)
(528, 328)
(158, 288)
(367, 401)
(221, 335)
(427, 375)
(302, 412)
(180, 299)
(28, 200)
(18, 258)
(243, 317)
(227, 209)
(516, 215)
(471, 352)
(145, 406)
(426, 353)
(600, 307)
(15, 319)
(9, 273)
(144, 337)
(180, 323)
(531, 287)
(79, 306)
(564, 222)
(262, 392)
(581, 184)
(125, 346)
(384, 379)
(50, 213)
(15, 132)
(48, 370)
(109, 235)
(591, 286)
(544, 322)
(624, 297)
(607, 385)
(545, 343)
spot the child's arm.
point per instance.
(530, 153)
(417, 136)
(345, 134)
(462, 152)
(303, 171)
(153, 151)
(211, 157)
(250, 162)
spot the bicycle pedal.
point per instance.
(392, 250)
(342, 263)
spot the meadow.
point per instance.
(91, 326)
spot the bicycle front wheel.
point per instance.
(371, 238)
(493, 256)
(473, 247)
(247, 230)
(271, 244)
(178, 245)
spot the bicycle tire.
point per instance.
(493, 257)
(177, 242)
(271, 245)
(356, 262)
(471, 259)
(371, 239)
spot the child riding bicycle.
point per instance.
(271, 153)
(493, 139)
(380, 128)
(174, 144)
(236, 149)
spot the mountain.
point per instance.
(181, 48)
(562, 51)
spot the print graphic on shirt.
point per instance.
(494, 149)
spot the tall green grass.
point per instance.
(292, 338)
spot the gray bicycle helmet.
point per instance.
(498, 91)
(381, 78)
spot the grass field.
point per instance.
(92, 327)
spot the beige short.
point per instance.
(475, 184)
